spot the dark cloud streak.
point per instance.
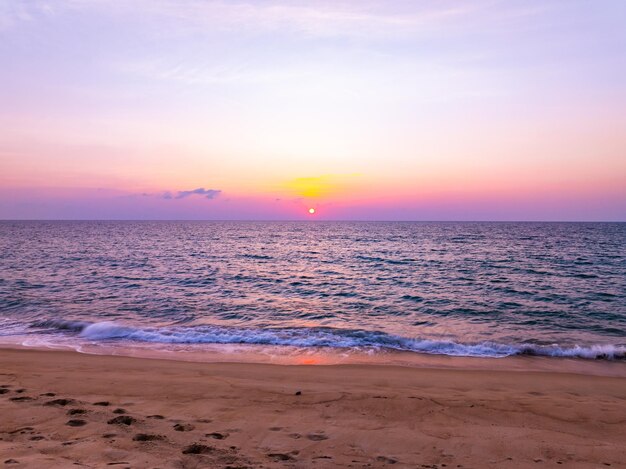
(208, 193)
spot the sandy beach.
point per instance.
(65, 409)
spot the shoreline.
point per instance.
(328, 356)
(266, 415)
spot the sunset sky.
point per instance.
(366, 110)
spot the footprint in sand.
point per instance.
(48, 394)
(122, 420)
(316, 437)
(119, 411)
(157, 417)
(60, 402)
(198, 448)
(76, 412)
(76, 423)
(22, 430)
(21, 399)
(217, 435)
(183, 427)
(386, 460)
(102, 403)
(3, 390)
(280, 457)
(147, 437)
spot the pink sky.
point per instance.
(434, 110)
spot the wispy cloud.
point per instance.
(208, 193)
(191, 33)
(12, 14)
(313, 19)
(308, 18)
(169, 195)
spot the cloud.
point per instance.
(208, 193)
(309, 19)
(13, 14)
(321, 19)
(169, 195)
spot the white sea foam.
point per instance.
(106, 330)
(324, 337)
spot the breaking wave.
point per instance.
(320, 337)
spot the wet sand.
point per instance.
(65, 409)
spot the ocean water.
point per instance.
(460, 289)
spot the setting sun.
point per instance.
(311, 211)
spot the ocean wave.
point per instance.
(322, 337)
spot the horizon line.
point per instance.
(294, 220)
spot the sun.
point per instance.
(311, 210)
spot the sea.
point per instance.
(278, 290)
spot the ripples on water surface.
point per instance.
(475, 289)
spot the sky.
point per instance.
(362, 110)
